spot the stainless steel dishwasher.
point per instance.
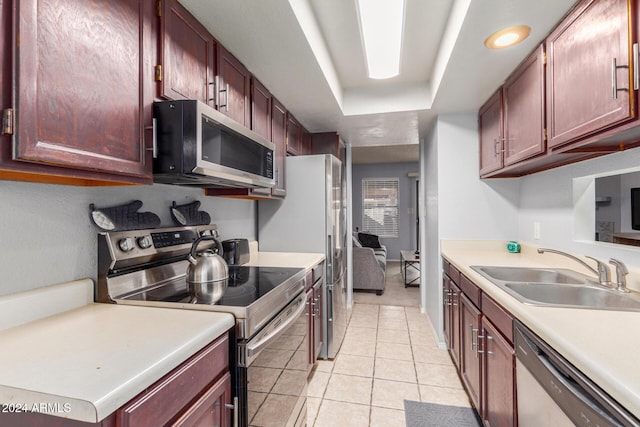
(552, 392)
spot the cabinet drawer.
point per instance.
(445, 266)
(501, 319)
(169, 396)
(470, 290)
(454, 273)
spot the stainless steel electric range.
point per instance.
(148, 267)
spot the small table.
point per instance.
(409, 265)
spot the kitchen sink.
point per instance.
(557, 287)
(524, 274)
(579, 296)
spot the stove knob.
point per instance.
(213, 233)
(144, 242)
(126, 244)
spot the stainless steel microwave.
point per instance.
(196, 145)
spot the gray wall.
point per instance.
(46, 236)
(458, 205)
(406, 212)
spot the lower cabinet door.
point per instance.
(469, 357)
(498, 385)
(210, 410)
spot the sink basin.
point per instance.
(557, 287)
(572, 296)
(537, 275)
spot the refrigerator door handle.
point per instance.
(329, 303)
(330, 251)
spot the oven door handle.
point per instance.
(255, 348)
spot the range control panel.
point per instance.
(138, 246)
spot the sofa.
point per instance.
(369, 263)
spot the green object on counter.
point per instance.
(513, 247)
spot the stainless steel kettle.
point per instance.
(207, 274)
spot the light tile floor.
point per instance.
(389, 354)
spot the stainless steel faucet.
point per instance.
(603, 273)
(621, 274)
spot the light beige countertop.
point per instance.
(603, 344)
(283, 259)
(88, 359)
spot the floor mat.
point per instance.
(420, 414)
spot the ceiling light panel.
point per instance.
(381, 27)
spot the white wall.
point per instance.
(46, 235)
(459, 206)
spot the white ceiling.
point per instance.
(308, 53)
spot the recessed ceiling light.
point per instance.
(507, 37)
(381, 24)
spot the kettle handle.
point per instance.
(192, 254)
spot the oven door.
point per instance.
(272, 378)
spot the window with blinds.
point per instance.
(380, 206)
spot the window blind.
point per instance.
(380, 206)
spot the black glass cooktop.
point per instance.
(245, 286)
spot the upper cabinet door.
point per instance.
(523, 104)
(491, 136)
(588, 76)
(79, 97)
(187, 56)
(260, 109)
(294, 135)
(233, 88)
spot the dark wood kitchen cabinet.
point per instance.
(77, 106)
(294, 135)
(588, 71)
(523, 105)
(234, 88)
(498, 378)
(305, 142)
(192, 394)
(328, 143)
(485, 347)
(491, 134)
(187, 66)
(260, 109)
(451, 312)
(470, 367)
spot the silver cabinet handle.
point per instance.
(481, 337)
(614, 79)
(636, 73)
(233, 408)
(496, 150)
(226, 104)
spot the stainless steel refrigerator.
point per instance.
(312, 218)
